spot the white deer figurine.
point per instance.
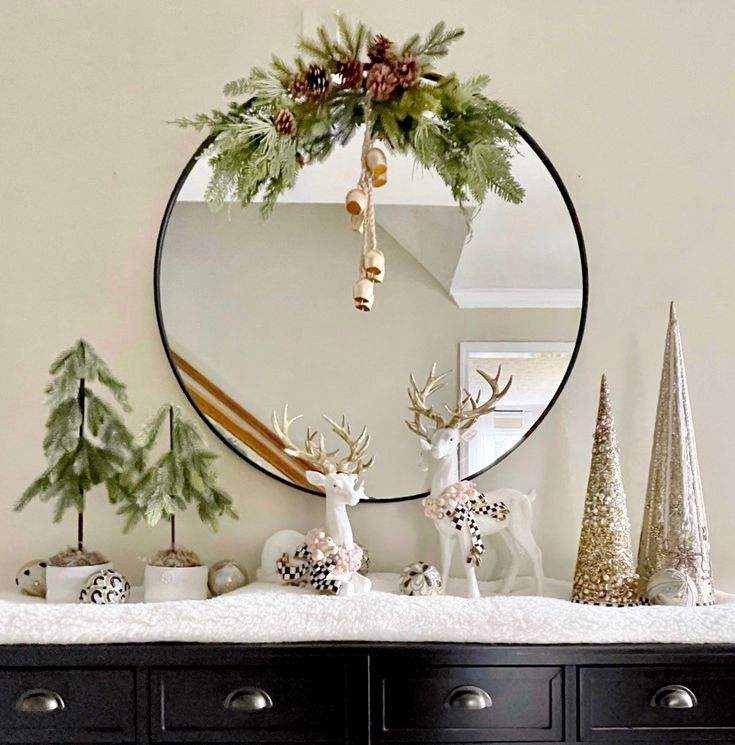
(508, 511)
(342, 487)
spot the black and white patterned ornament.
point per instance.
(31, 578)
(420, 578)
(106, 587)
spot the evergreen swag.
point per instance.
(183, 475)
(294, 115)
(86, 442)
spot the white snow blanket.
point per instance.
(269, 613)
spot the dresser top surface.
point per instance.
(261, 613)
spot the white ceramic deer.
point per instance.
(439, 447)
(342, 487)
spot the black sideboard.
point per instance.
(385, 694)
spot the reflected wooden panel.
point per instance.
(249, 430)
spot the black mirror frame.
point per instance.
(580, 333)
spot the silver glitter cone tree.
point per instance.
(674, 533)
(605, 572)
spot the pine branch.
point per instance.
(438, 40)
(319, 49)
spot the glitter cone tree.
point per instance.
(605, 572)
(674, 533)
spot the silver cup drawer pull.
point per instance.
(468, 697)
(39, 701)
(248, 699)
(674, 697)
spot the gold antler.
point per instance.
(354, 461)
(462, 417)
(420, 407)
(315, 451)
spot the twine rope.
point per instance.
(369, 241)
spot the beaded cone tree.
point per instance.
(674, 533)
(605, 572)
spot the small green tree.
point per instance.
(87, 442)
(183, 475)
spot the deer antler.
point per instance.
(419, 405)
(354, 461)
(462, 417)
(315, 451)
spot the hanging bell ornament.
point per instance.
(376, 162)
(363, 294)
(356, 201)
(357, 223)
(373, 265)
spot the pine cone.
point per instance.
(351, 73)
(381, 81)
(317, 81)
(380, 49)
(299, 86)
(407, 70)
(285, 123)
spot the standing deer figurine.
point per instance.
(459, 511)
(329, 556)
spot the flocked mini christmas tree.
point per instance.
(87, 442)
(605, 573)
(674, 536)
(184, 475)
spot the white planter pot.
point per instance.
(174, 583)
(63, 584)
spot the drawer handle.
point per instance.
(248, 699)
(39, 701)
(468, 697)
(674, 697)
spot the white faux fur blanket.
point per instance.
(268, 613)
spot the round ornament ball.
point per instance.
(31, 578)
(365, 563)
(106, 587)
(420, 578)
(671, 587)
(225, 576)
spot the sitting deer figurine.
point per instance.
(329, 555)
(460, 512)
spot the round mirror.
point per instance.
(255, 314)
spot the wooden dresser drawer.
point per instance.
(67, 706)
(444, 703)
(270, 702)
(657, 704)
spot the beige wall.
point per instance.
(631, 100)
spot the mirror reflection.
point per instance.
(259, 313)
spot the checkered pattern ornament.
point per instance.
(310, 571)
